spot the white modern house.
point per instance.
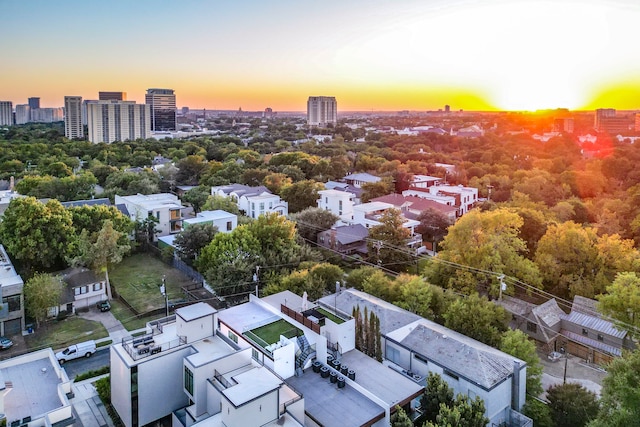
(339, 203)
(225, 222)
(252, 201)
(35, 391)
(464, 198)
(252, 365)
(11, 294)
(419, 346)
(164, 207)
(357, 179)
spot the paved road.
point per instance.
(80, 366)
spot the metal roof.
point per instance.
(591, 342)
(595, 323)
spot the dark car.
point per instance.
(5, 343)
(103, 306)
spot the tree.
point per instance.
(387, 243)
(572, 405)
(196, 197)
(92, 218)
(145, 229)
(487, 241)
(311, 221)
(400, 418)
(105, 249)
(41, 292)
(478, 318)
(193, 239)
(620, 399)
(326, 274)
(622, 302)
(38, 235)
(371, 190)
(415, 295)
(190, 169)
(436, 392)
(516, 343)
(356, 278)
(433, 226)
(381, 286)
(301, 195)
(464, 412)
(222, 203)
(538, 411)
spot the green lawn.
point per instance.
(61, 333)
(333, 317)
(130, 321)
(138, 278)
(270, 333)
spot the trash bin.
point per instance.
(29, 328)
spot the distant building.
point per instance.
(162, 104)
(112, 96)
(357, 179)
(110, 121)
(565, 124)
(322, 110)
(607, 120)
(637, 123)
(34, 102)
(447, 108)
(23, 114)
(268, 113)
(73, 128)
(6, 113)
(47, 115)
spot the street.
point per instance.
(82, 365)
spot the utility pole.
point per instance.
(503, 286)
(255, 278)
(489, 188)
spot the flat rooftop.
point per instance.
(250, 315)
(31, 389)
(333, 406)
(250, 385)
(209, 349)
(382, 381)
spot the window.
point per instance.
(97, 286)
(532, 327)
(229, 225)
(270, 205)
(13, 302)
(233, 337)
(80, 290)
(340, 204)
(450, 374)
(321, 239)
(158, 215)
(393, 354)
(188, 380)
(600, 337)
(255, 354)
(422, 359)
(262, 207)
(585, 332)
(253, 206)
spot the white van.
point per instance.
(83, 349)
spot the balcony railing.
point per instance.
(145, 346)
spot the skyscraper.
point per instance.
(6, 113)
(73, 117)
(162, 103)
(34, 102)
(112, 96)
(322, 110)
(23, 114)
(110, 121)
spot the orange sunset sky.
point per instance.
(370, 55)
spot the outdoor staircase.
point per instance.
(306, 352)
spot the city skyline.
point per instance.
(374, 55)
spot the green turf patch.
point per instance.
(335, 319)
(269, 334)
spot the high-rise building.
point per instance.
(47, 115)
(34, 102)
(447, 108)
(637, 124)
(322, 110)
(607, 120)
(23, 114)
(110, 121)
(6, 113)
(112, 96)
(564, 124)
(162, 103)
(73, 128)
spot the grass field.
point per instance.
(337, 320)
(138, 278)
(130, 321)
(270, 333)
(61, 333)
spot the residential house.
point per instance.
(541, 322)
(35, 391)
(418, 346)
(346, 239)
(412, 206)
(343, 186)
(370, 214)
(83, 288)
(424, 181)
(357, 179)
(253, 201)
(164, 207)
(225, 222)
(252, 365)
(11, 291)
(464, 198)
(339, 203)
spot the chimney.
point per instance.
(12, 183)
(515, 387)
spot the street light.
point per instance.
(163, 291)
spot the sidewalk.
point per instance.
(88, 405)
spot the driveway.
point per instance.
(112, 325)
(577, 371)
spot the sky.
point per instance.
(372, 55)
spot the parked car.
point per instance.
(5, 343)
(83, 349)
(103, 306)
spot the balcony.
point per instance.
(145, 345)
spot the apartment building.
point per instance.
(322, 110)
(110, 121)
(6, 113)
(73, 128)
(162, 105)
